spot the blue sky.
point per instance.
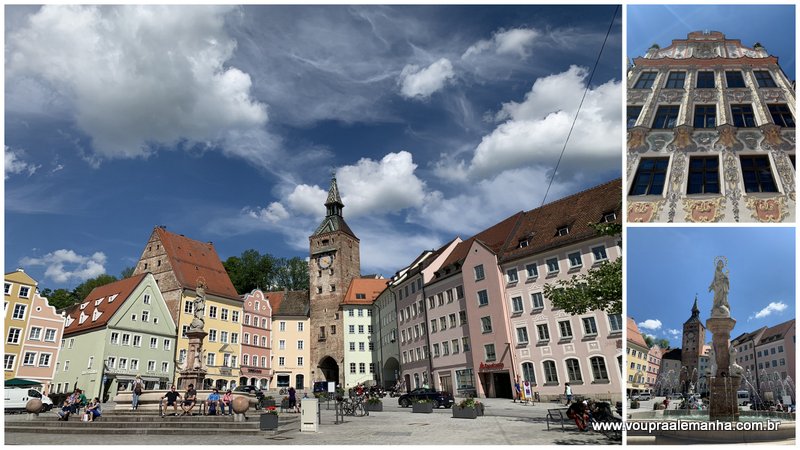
(666, 267)
(225, 123)
(771, 25)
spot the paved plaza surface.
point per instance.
(504, 423)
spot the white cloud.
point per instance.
(773, 307)
(273, 213)
(650, 324)
(63, 265)
(516, 41)
(137, 75)
(534, 130)
(422, 83)
(15, 163)
(673, 332)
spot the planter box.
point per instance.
(426, 408)
(269, 422)
(465, 413)
(269, 402)
(373, 407)
(479, 409)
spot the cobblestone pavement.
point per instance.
(505, 423)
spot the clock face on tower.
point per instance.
(689, 335)
(325, 261)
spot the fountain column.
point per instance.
(193, 370)
(724, 384)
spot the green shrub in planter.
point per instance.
(634, 404)
(465, 412)
(422, 406)
(373, 404)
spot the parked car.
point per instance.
(438, 398)
(641, 397)
(15, 399)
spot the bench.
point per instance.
(557, 416)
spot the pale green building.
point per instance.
(120, 330)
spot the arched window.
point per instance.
(527, 372)
(550, 373)
(245, 360)
(574, 371)
(599, 372)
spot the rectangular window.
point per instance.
(362, 367)
(50, 335)
(223, 337)
(646, 80)
(212, 312)
(516, 305)
(145, 316)
(167, 344)
(153, 342)
(7, 287)
(184, 329)
(126, 339)
(633, 115)
(445, 348)
(235, 316)
(462, 317)
(543, 332)
(575, 260)
(465, 343)
(351, 329)
(703, 175)
(650, 176)
(666, 117)
(757, 174)
(589, 326)
(552, 266)
(361, 329)
(282, 326)
(512, 275)
(743, 116)
(165, 367)
(531, 270)
(781, 116)
(24, 291)
(300, 361)
(435, 350)
(486, 324)
(19, 311)
(675, 80)
(188, 307)
(479, 274)
(483, 298)
(459, 292)
(764, 79)
(565, 328)
(705, 80)
(352, 346)
(361, 347)
(35, 334)
(522, 335)
(615, 322)
(734, 78)
(224, 314)
(705, 116)
(489, 351)
(599, 253)
(29, 359)
(452, 320)
(537, 300)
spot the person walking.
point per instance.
(137, 388)
(292, 399)
(568, 393)
(517, 390)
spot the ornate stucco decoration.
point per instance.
(658, 141)
(683, 138)
(772, 95)
(704, 211)
(636, 139)
(706, 50)
(739, 95)
(704, 95)
(750, 139)
(730, 172)
(772, 138)
(705, 139)
(633, 160)
(727, 137)
(768, 209)
(670, 95)
(643, 212)
(638, 95)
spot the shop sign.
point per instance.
(484, 367)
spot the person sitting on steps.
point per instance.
(171, 399)
(213, 403)
(189, 401)
(93, 409)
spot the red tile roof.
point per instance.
(191, 259)
(634, 335)
(369, 288)
(274, 299)
(122, 289)
(540, 226)
(776, 332)
(493, 237)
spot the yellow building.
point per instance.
(178, 265)
(291, 341)
(19, 291)
(636, 360)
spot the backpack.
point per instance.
(137, 388)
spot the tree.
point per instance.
(60, 298)
(649, 340)
(599, 288)
(662, 342)
(127, 272)
(293, 274)
(82, 290)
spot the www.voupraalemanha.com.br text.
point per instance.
(653, 426)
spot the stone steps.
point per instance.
(138, 431)
(102, 423)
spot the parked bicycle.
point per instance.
(354, 406)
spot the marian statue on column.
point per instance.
(720, 285)
(199, 307)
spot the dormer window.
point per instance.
(69, 321)
(96, 314)
(98, 302)
(563, 231)
(112, 297)
(523, 243)
(609, 217)
(361, 296)
(84, 305)
(82, 318)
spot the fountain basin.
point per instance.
(769, 430)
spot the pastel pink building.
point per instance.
(256, 365)
(42, 342)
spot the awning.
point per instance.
(21, 382)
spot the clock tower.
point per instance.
(334, 262)
(694, 338)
